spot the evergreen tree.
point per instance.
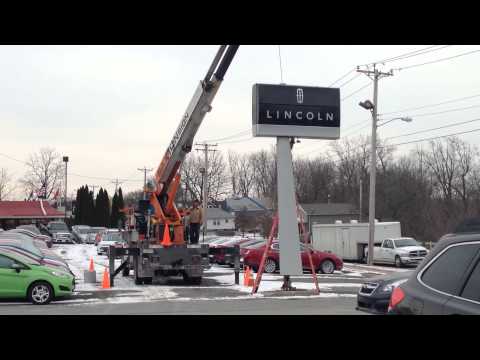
(106, 209)
(90, 215)
(121, 205)
(97, 210)
(78, 206)
(114, 216)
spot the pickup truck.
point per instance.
(398, 251)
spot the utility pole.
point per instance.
(116, 182)
(373, 159)
(361, 195)
(205, 148)
(144, 180)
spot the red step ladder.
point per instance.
(273, 230)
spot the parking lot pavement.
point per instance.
(278, 306)
(337, 291)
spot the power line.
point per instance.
(432, 138)
(342, 77)
(11, 158)
(239, 134)
(419, 52)
(408, 54)
(353, 78)
(438, 60)
(356, 91)
(444, 111)
(432, 129)
(431, 105)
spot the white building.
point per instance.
(219, 219)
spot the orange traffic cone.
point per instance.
(91, 268)
(166, 236)
(106, 279)
(250, 279)
(246, 276)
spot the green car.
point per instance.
(22, 277)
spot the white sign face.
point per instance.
(305, 112)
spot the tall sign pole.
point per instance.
(286, 112)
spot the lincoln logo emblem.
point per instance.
(300, 96)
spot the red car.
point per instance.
(218, 255)
(323, 262)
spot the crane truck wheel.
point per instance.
(192, 280)
(126, 271)
(138, 281)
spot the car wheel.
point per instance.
(327, 267)
(40, 293)
(270, 266)
(398, 262)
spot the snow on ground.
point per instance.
(363, 268)
(125, 291)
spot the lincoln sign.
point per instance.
(296, 111)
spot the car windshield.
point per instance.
(256, 246)
(405, 242)
(58, 226)
(113, 236)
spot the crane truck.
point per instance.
(155, 245)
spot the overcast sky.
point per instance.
(113, 109)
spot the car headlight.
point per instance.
(390, 287)
(59, 274)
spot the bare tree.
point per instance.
(6, 184)
(192, 178)
(264, 167)
(44, 174)
(234, 171)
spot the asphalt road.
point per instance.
(322, 306)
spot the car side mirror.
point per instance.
(17, 267)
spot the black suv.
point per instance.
(447, 282)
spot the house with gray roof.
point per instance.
(249, 204)
(328, 213)
(219, 220)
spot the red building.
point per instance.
(14, 213)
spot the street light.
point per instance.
(406, 119)
(368, 105)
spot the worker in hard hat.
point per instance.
(195, 222)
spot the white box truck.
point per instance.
(349, 240)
